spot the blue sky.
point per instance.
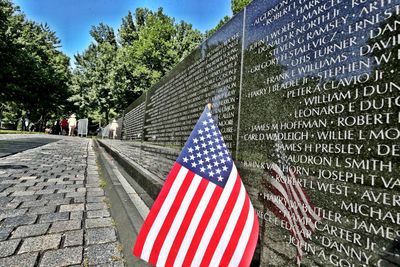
(72, 19)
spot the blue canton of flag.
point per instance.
(205, 152)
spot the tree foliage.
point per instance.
(238, 5)
(34, 74)
(113, 71)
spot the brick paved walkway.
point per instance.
(53, 211)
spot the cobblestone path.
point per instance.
(53, 211)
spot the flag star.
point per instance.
(218, 171)
(194, 164)
(224, 168)
(220, 178)
(205, 152)
(185, 159)
(203, 145)
(202, 138)
(228, 159)
(199, 155)
(201, 162)
(219, 147)
(209, 114)
(211, 173)
(214, 156)
(209, 166)
(212, 149)
(224, 145)
(215, 134)
(216, 163)
(195, 140)
(200, 131)
(207, 129)
(213, 127)
(210, 120)
(191, 157)
(205, 122)
(197, 147)
(216, 139)
(208, 136)
(202, 169)
(210, 142)
(190, 150)
(223, 161)
(220, 154)
(207, 159)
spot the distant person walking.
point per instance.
(64, 126)
(71, 124)
(113, 128)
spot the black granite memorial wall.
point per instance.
(307, 96)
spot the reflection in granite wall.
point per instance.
(307, 94)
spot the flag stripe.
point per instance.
(247, 234)
(186, 222)
(144, 231)
(205, 240)
(197, 226)
(230, 227)
(166, 205)
(230, 249)
(251, 244)
(172, 212)
(177, 221)
(222, 224)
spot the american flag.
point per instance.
(203, 215)
(291, 203)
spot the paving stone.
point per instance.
(95, 199)
(76, 194)
(45, 192)
(63, 201)
(7, 248)
(65, 226)
(97, 214)
(22, 193)
(11, 213)
(25, 198)
(40, 243)
(5, 232)
(73, 238)
(95, 194)
(79, 200)
(62, 257)
(52, 196)
(28, 178)
(30, 230)
(5, 200)
(10, 206)
(36, 203)
(23, 260)
(19, 220)
(42, 210)
(103, 254)
(100, 235)
(76, 215)
(96, 206)
(98, 222)
(72, 207)
(54, 217)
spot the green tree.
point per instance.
(109, 75)
(238, 5)
(34, 75)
